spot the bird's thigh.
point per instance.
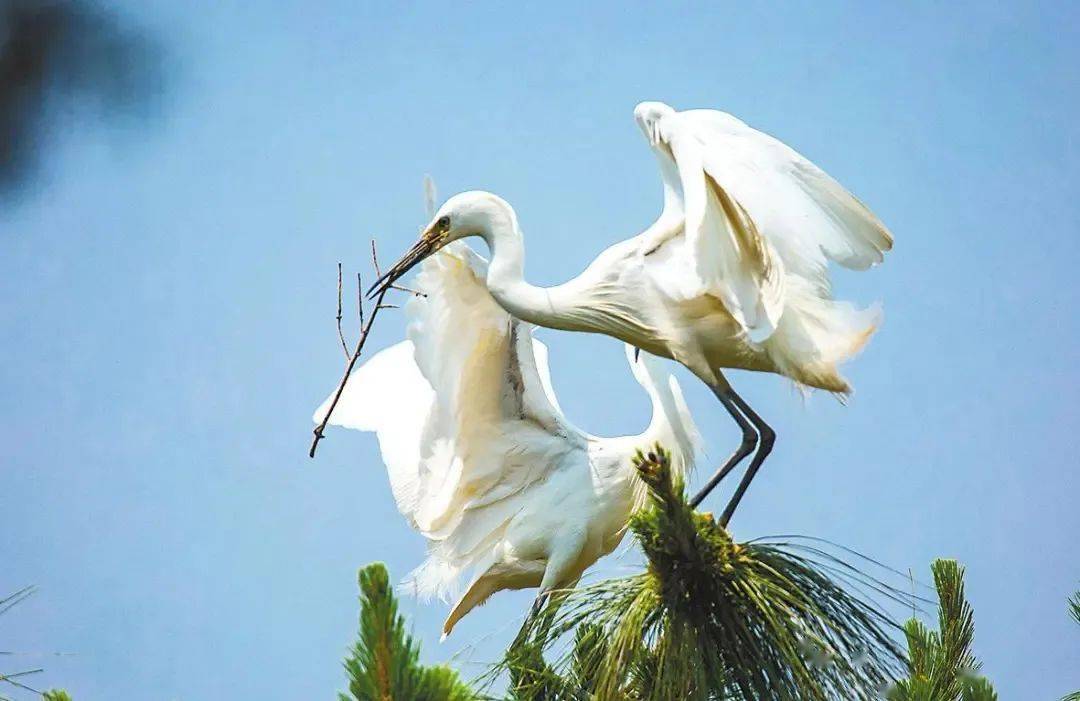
(529, 538)
(539, 533)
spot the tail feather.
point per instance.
(817, 334)
(435, 577)
(517, 574)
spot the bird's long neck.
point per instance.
(679, 439)
(506, 278)
(671, 425)
(663, 428)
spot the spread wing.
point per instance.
(753, 211)
(388, 395)
(464, 414)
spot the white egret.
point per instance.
(480, 457)
(733, 274)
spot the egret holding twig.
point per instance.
(481, 459)
(733, 274)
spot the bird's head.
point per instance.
(473, 213)
(648, 116)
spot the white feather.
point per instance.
(751, 222)
(480, 457)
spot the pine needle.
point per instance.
(711, 619)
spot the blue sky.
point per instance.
(167, 303)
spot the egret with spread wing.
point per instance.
(733, 274)
(481, 459)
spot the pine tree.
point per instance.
(709, 619)
(941, 666)
(384, 662)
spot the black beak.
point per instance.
(421, 250)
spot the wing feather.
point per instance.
(793, 200)
(388, 395)
(731, 257)
(755, 210)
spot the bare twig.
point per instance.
(364, 331)
(365, 327)
(340, 333)
(360, 300)
(10, 680)
(410, 290)
(5, 677)
(19, 596)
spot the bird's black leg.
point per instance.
(727, 397)
(534, 616)
(538, 604)
(765, 445)
(538, 616)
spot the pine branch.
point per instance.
(384, 662)
(941, 666)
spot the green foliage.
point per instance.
(710, 619)
(531, 678)
(941, 666)
(1074, 611)
(383, 665)
(56, 695)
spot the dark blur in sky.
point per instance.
(71, 60)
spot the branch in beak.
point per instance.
(421, 250)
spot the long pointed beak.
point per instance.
(420, 250)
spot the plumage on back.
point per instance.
(458, 331)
